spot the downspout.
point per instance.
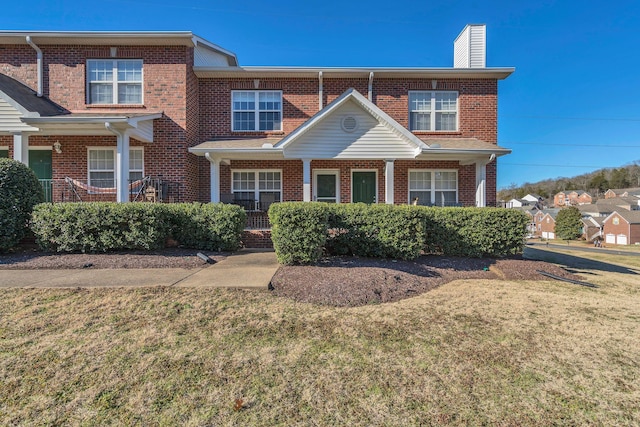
(371, 86)
(39, 63)
(319, 90)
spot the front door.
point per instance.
(40, 163)
(363, 187)
(326, 187)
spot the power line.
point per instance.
(569, 145)
(554, 166)
(595, 119)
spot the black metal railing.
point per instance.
(147, 189)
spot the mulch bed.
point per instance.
(338, 281)
(351, 281)
(29, 259)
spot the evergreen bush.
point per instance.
(20, 191)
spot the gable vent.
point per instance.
(349, 123)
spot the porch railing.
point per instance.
(147, 189)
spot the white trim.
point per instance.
(257, 110)
(39, 147)
(115, 81)
(256, 178)
(103, 147)
(433, 183)
(317, 172)
(433, 111)
(363, 170)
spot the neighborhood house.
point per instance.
(170, 116)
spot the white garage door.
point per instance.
(622, 239)
(610, 238)
(552, 235)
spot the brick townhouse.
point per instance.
(94, 113)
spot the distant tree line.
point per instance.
(595, 183)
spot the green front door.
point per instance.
(40, 163)
(363, 187)
(4, 153)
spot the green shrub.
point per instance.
(474, 232)
(298, 231)
(100, 226)
(20, 191)
(383, 231)
(210, 226)
(105, 226)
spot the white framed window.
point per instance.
(262, 186)
(253, 110)
(433, 187)
(101, 163)
(117, 81)
(433, 111)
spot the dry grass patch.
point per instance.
(469, 352)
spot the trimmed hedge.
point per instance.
(20, 191)
(106, 226)
(298, 231)
(302, 232)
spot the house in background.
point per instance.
(622, 192)
(548, 223)
(622, 228)
(592, 228)
(571, 198)
(169, 116)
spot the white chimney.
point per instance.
(470, 47)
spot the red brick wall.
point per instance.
(632, 233)
(478, 102)
(169, 86)
(548, 226)
(257, 239)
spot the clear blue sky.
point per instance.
(572, 106)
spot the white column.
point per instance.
(388, 182)
(481, 184)
(21, 148)
(306, 180)
(214, 177)
(122, 168)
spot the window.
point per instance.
(256, 110)
(114, 81)
(102, 166)
(433, 111)
(262, 186)
(433, 187)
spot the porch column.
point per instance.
(306, 180)
(122, 168)
(214, 177)
(481, 184)
(21, 148)
(388, 181)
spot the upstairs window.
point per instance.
(256, 110)
(114, 81)
(433, 111)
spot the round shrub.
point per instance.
(20, 191)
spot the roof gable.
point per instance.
(374, 133)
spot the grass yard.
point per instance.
(469, 352)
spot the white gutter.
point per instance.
(370, 86)
(39, 63)
(319, 90)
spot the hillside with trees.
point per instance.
(595, 183)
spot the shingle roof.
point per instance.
(28, 99)
(633, 217)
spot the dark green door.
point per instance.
(40, 163)
(4, 153)
(363, 186)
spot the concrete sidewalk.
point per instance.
(248, 268)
